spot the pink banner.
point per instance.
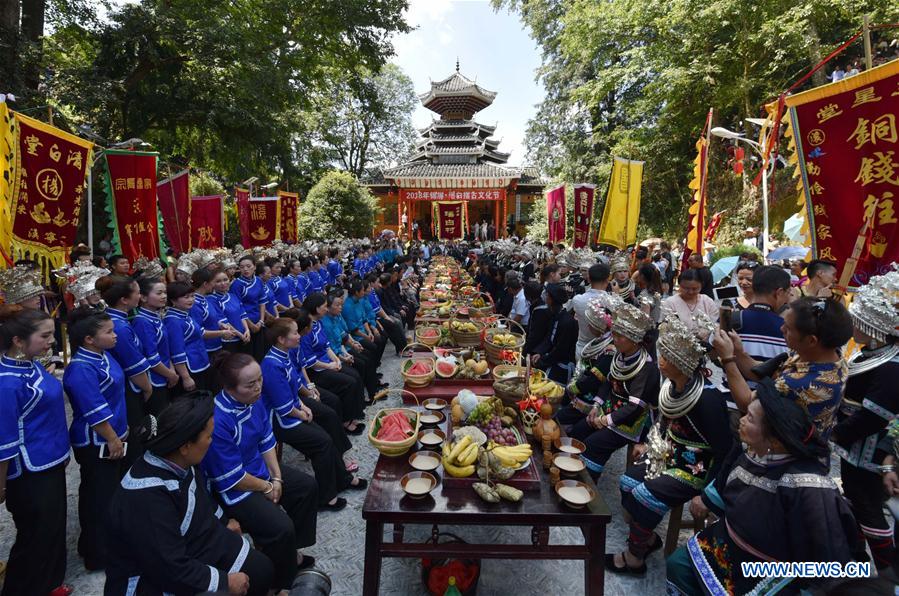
(242, 199)
(206, 222)
(555, 213)
(173, 196)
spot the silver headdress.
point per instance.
(81, 279)
(20, 283)
(619, 263)
(631, 322)
(598, 312)
(680, 345)
(187, 264)
(148, 268)
(875, 308)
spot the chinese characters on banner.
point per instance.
(242, 200)
(289, 207)
(131, 182)
(174, 206)
(622, 210)
(555, 213)
(489, 194)
(263, 221)
(848, 151)
(583, 213)
(207, 222)
(48, 168)
(449, 221)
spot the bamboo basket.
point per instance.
(413, 380)
(478, 312)
(466, 338)
(494, 351)
(394, 448)
(427, 341)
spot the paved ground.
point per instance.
(340, 542)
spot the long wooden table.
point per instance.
(385, 503)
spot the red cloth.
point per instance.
(555, 213)
(290, 203)
(242, 199)
(174, 206)
(263, 221)
(206, 222)
(583, 213)
(132, 182)
(449, 216)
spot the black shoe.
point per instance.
(360, 428)
(339, 504)
(362, 485)
(626, 570)
(308, 562)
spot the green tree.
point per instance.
(338, 207)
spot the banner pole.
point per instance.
(90, 209)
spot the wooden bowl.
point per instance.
(569, 446)
(432, 417)
(569, 464)
(575, 493)
(424, 461)
(435, 403)
(418, 484)
(437, 443)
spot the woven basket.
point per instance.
(394, 448)
(413, 380)
(427, 341)
(478, 312)
(494, 351)
(502, 369)
(466, 338)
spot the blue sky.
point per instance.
(492, 48)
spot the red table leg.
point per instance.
(374, 536)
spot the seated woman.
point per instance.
(293, 422)
(686, 446)
(180, 542)
(779, 504)
(620, 412)
(277, 505)
(348, 349)
(356, 309)
(596, 360)
(813, 372)
(555, 355)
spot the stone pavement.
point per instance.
(339, 550)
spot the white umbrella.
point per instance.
(793, 227)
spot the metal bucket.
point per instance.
(311, 582)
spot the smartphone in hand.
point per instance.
(104, 450)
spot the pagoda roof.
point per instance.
(436, 125)
(409, 173)
(456, 93)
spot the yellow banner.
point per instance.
(622, 211)
(6, 165)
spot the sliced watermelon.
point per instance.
(445, 369)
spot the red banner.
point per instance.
(263, 221)
(207, 222)
(489, 194)
(174, 207)
(583, 213)
(847, 144)
(47, 186)
(289, 206)
(131, 184)
(449, 221)
(555, 213)
(242, 200)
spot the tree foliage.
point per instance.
(338, 207)
(635, 79)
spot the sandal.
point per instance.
(361, 484)
(627, 569)
(659, 543)
(339, 504)
(360, 428)
(351, 466)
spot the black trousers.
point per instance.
(345, 384)
(864, 491)
(278, 530)
(394, 330)
(260, 571)
(325, 416)
(367, 367)
(99, 480)
(314, 442)
(37, 560)
(135, 411)
(601, 444)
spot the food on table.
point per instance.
(424, 461)
(459, 458)
(446, 368)
(541, 387)
(486, 492)
(577, 495)
(511, 457)
(478, 302)
(395, 427)
(505, 339)
(418, 486)
(515, 386)
(476, 434)
(429, 332)
(419, 367)
(431, 438)
(509, 493)
(568, 464)
(465, 326)
(489, 467)
(429, 418)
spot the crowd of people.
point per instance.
(184, 380)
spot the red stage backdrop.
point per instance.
(490, 194)
(174, 206)
(449, 221)
(583, 213)
(242, 200)
(207, 222)
(289, 206)
(263, 221)
(47, 185)
(131, 186)
(555, 213)
(847, 145)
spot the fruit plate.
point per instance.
(526, 478)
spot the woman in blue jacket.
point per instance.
(186, 346)
(350, 351)
(232, 310)
(95, 384)
(150, 330)
(250, 293)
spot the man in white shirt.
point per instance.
(598, 276)
(520, 312)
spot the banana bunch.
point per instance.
(466, 326)
(545, 387)
(511, 457)
(505, 339)
(459, 459)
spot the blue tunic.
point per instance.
(127, 351)
(374, 301)
(250, 293)
(336, 330)
(315, 346)
(186, 340)
(32, 418)
(269, 298)
(297, 359)
(242, 434)
(304, 286)
(95, 385)
(280, 387)
(281, 290)
(232, 311)
(208, 315)
(150, 330)
(315, 281)
(355, 315)
(334, 271)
